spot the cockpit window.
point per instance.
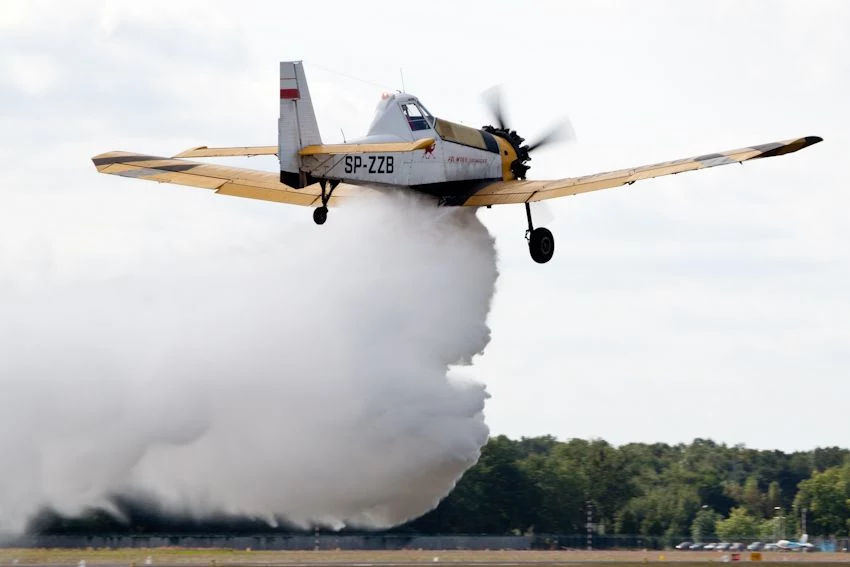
(416, 118)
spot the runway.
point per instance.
(180, 557)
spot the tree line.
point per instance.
(540, 485)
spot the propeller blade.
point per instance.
(561, 132)
(493, 98)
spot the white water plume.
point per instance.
(307, 379)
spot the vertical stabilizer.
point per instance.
(297, 126)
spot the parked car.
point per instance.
(708, 547)
(737, 546)
(770, 547)
(685, 545)
(755, 546)
(722, 546)
(697, 546)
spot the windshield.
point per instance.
(416, 118)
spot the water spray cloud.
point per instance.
(313, 378)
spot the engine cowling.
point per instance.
(518, 166)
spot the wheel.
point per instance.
(541, 244)
(320, 215)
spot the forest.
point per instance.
(703, 491)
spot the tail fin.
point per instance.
(297, 126)
(805, 538)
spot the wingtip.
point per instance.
(812, 140)
(101, 161)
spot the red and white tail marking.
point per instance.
(289, 87)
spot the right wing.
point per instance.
(236, 181)
(504, 192)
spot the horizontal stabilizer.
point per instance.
(204, 151)
(369, 148)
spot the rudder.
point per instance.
(297, 126)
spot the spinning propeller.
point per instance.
(561, 131)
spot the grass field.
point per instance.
(209, 557)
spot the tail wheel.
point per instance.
(541, 244)
(320, 215)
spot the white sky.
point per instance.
(711, 304)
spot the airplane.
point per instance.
(790, 545)
(405, 148)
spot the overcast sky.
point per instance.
(710, 304)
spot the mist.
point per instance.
(316, 376)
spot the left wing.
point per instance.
(504, 192)
(236, 181)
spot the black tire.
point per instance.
(541, 244)
(320, 215)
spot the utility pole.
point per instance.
(589, 525)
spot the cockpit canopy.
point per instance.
(402, 115)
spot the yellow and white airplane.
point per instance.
(406, 148)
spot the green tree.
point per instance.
(825, 495)
(770, 529)
(774, 498)
(626, 522)
(542, 445)
(703, 526)
(738, 526)
(559, 505)
(752, 498)
(828, 457)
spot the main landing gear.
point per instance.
(541, 243)
(320, 214)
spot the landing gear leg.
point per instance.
(541, 243)
(320, 214)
